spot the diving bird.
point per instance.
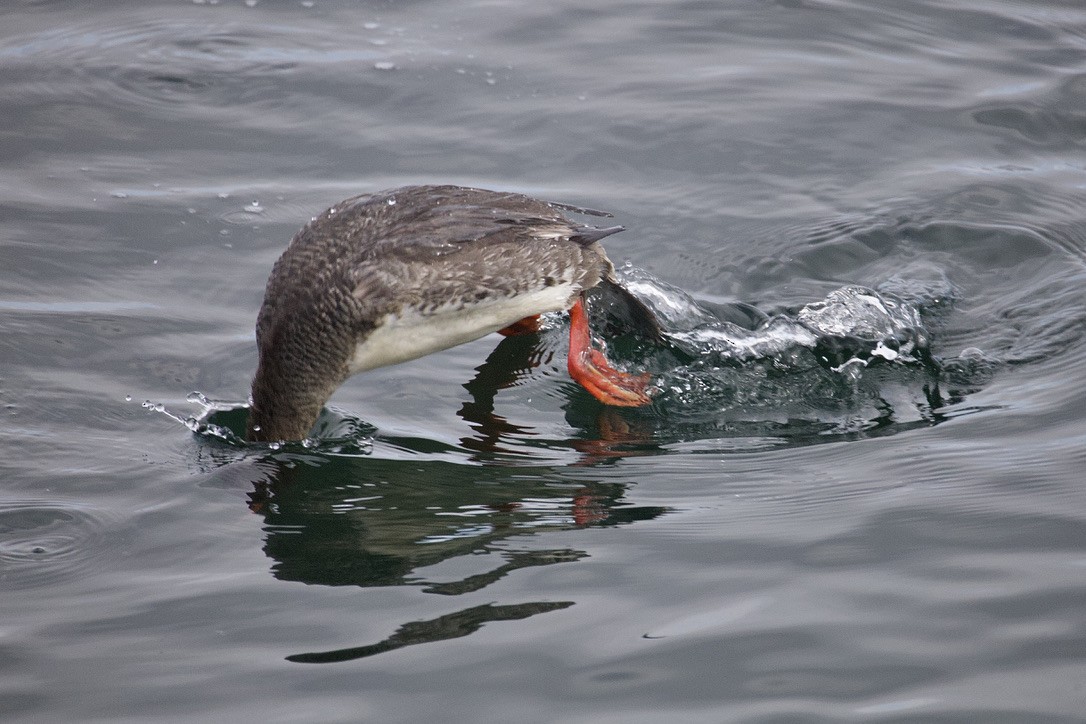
(388, 277)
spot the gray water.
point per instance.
(771, 541)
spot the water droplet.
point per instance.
(275, 445)
(461, 71)
(223, 195)
(191, 210)
(392, 201)
(256, 428)
(371, 25)
(885, 351)
(307, 3)
(224, 232)
(385, 65)
(254, 208)
(251, 3)
(119, 195)
(155, 261)
(491, 81)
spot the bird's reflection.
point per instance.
(512, 359)
(600, 433)
(442, 628)
(342, 521)
(370, 522)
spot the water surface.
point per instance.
(904, 546)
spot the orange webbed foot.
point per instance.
(591, 369)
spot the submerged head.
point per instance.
(299, 369)
(305, 332)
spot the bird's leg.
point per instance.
(590, 368)
(528, 325)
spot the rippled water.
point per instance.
(473, 537)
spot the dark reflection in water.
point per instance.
(367, 522)
(600, 433)
(356, 521)
(442, 628)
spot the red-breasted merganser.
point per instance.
(384, 278)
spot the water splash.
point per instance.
(224, 421)
(861, 322)
(858, 359)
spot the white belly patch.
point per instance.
(400, 338)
